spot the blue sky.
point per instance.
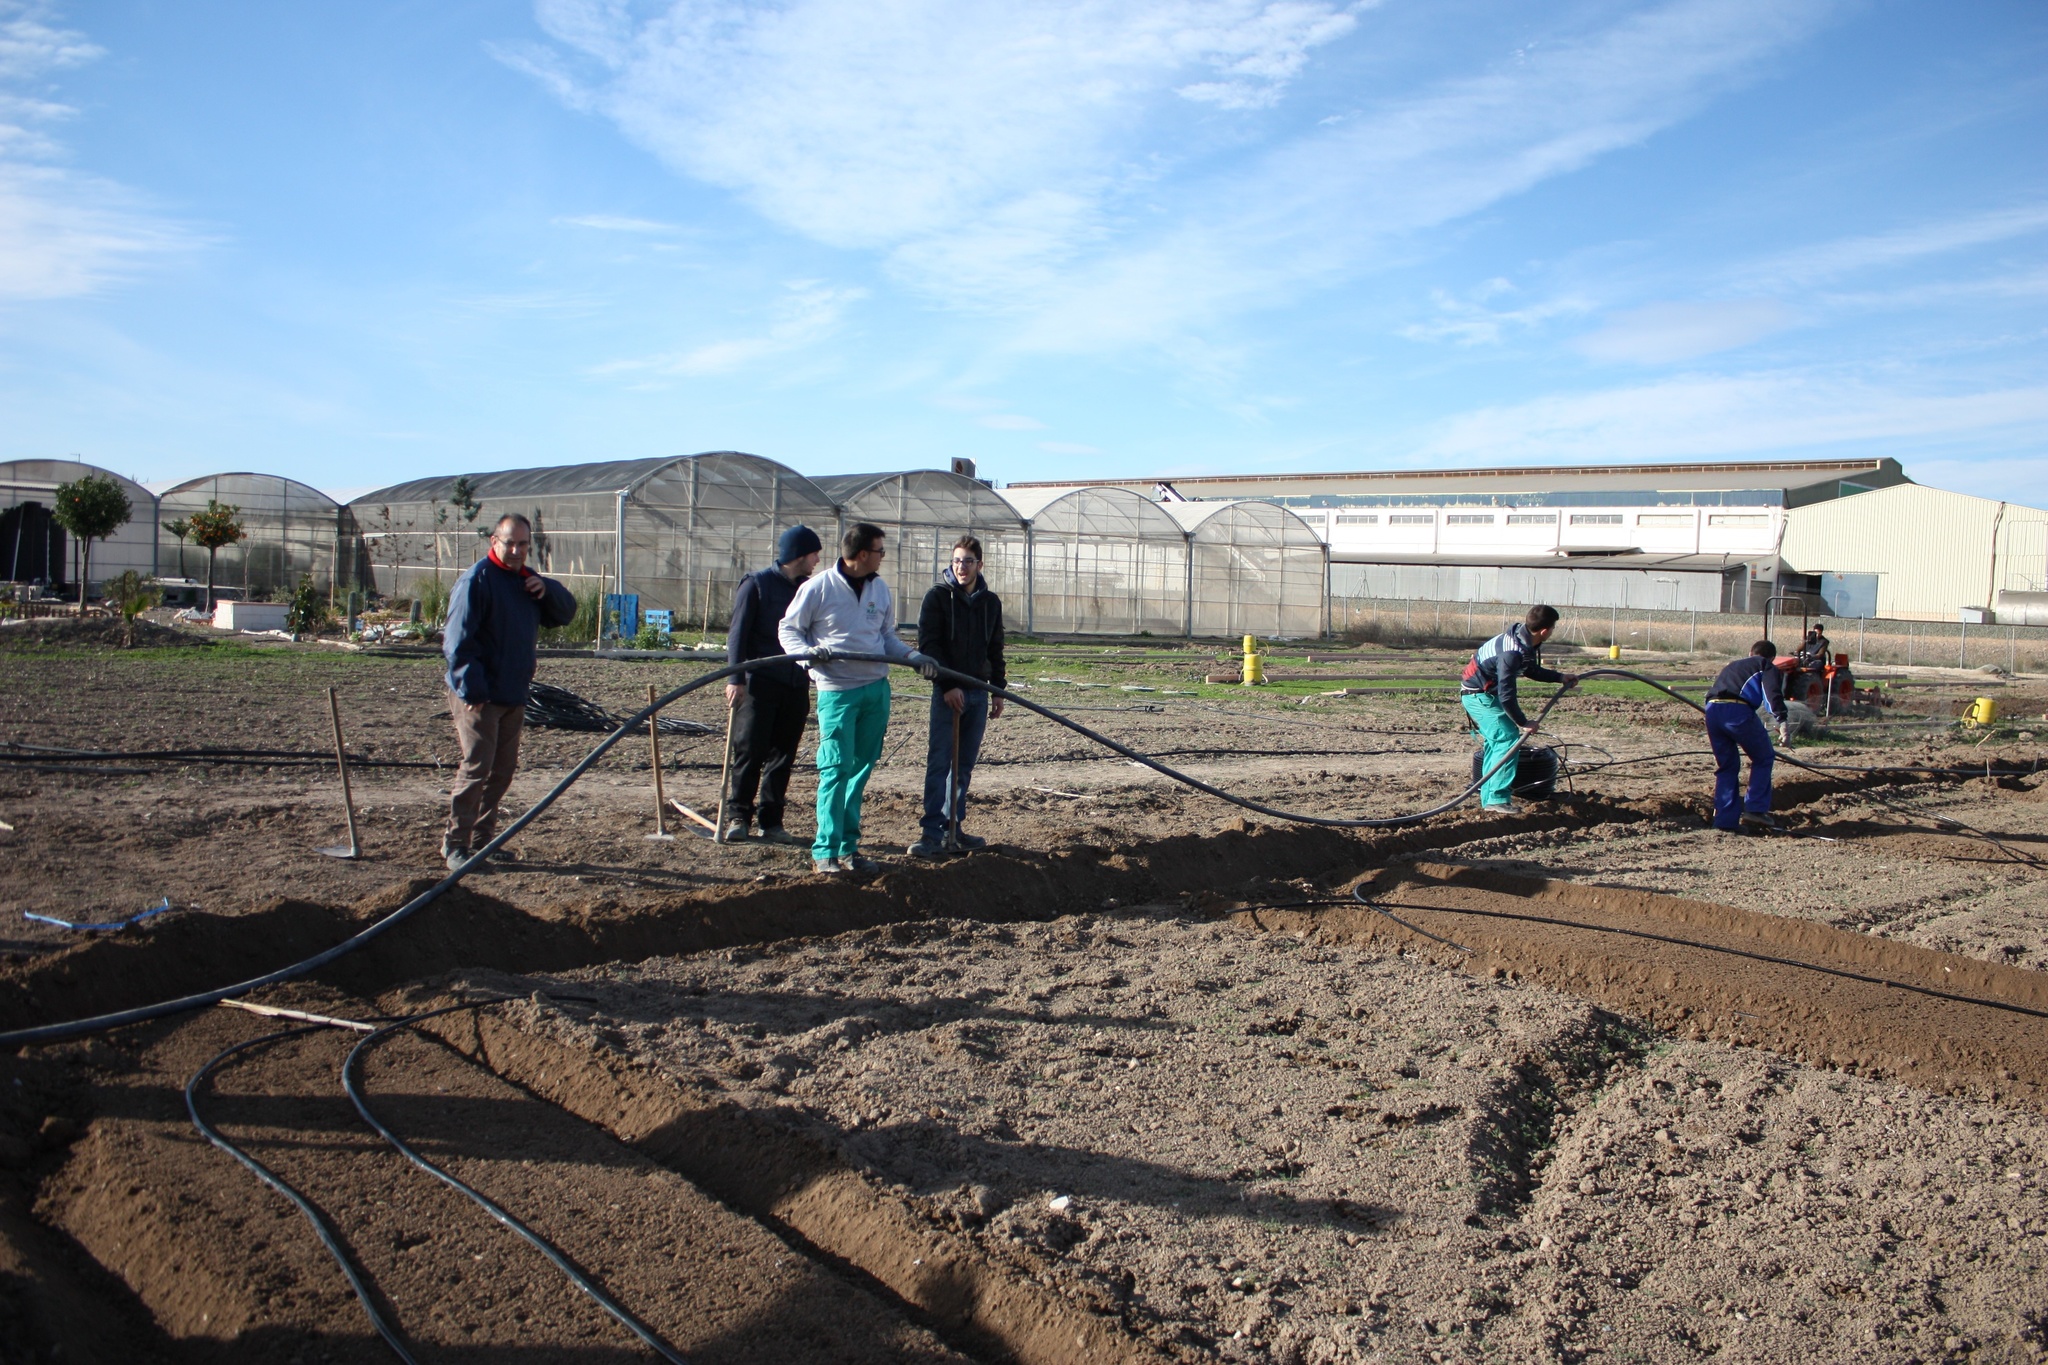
(360, 243)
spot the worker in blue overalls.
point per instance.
(1488, 693)
(1733, 729)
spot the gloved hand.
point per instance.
(924, 664)
(1785, 734)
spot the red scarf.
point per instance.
(523, 572)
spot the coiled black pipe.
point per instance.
(351, 1081)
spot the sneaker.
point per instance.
(736, 832)
(1504, 808)
(927, 847)
(1763, 820)
(828, 867)
(778, 835)
(456, 858)
(858, 863)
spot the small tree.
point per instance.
(463, 498)
(307, 613)
(219, 525)
(91, 508)
(132, 594)
(180, 528)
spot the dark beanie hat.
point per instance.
(797, 542)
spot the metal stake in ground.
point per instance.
(953, 792)
(654, 748)
(724, 776)
(348, 800)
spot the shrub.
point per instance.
(308, 612)
(132, 594)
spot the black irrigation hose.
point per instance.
(321, 1227)
(1359, 897)
(351, 1082)
(46, 1033)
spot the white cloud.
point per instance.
(1011, 421)
(1701, 417)
(1662, 333)
(62, 232)
(877, 126)
(1470, 322)
(808, 313)
(1832, 260)
(606, 222)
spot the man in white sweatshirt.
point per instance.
(848, 609)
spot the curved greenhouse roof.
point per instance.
(925, 511)
(1105, 561)
(290, 530)
(685, 528)
(1257, 569)
(33, 546)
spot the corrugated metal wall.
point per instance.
(1933, 551)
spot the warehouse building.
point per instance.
(1709, 537)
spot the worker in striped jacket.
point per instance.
(1488, 692)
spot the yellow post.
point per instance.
(1614, 651)
(1254, 665)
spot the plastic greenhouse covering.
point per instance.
(32, 546)
(1085, 561)
(925, 511)
(686, 529)
(289, 531)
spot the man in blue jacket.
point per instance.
(771, 704)
(1733, 729)
(491, 639)
(1488, 692)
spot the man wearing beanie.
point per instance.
(848, 610)
(771, 703)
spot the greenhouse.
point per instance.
(1104, 561)
(925, 511)
(289, 531)
(34, 548)
(1255, 569)
(686, 529)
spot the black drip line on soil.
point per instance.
(630, 725)
(1358, 897)
(324, 1230)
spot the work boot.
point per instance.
(1504, 808)
(970, 841)
(1762, 820)
(736, 832)
(864, 865)
(778, 835)
(453, 854)
(828, 867)
(927, 847)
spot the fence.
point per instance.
(1933, 644)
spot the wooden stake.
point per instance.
(348, 800)
(724, 775)
(686, 811)
(654, 748)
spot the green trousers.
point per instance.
(1499, 734)
(850, 729)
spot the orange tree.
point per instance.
(91, 508)
(220, 524)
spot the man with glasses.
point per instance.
(491, 639)
(848, 609)
(960, 626)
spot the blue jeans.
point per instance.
(938, 759)
(1734, 730)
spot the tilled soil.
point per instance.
(1493, 1139)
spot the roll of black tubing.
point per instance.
(351, 1081)
(321, 1228)
(47, 1033)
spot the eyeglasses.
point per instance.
(965, 559)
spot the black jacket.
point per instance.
(757, 609)
(963, 631)
(492, 634)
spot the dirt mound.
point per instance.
(94, 632)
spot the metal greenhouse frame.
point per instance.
(1254, 568)
(29, 538)
(289, 530)
(1104, 561)
(925, 511)
(678, 531)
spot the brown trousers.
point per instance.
(489, 736)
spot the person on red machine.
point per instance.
(492, 636)
(1488, 693)
(1733, 729)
